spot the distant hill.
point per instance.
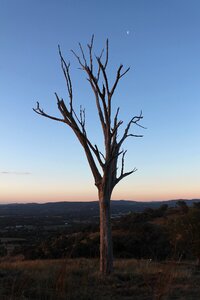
(81, 209)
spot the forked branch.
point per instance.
(103, 95)
(124, 174)
(135, 120)
(40, 111)
(65, 69)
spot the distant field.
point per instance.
(79, 279)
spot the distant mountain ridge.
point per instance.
(81, 209)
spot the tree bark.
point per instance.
(106, 248)
(198, 263)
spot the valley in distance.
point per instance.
(19, 220)
(48, 250)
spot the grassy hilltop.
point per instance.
(74, 279)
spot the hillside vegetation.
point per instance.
(159, 234)
(157, 254)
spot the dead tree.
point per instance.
(103, 164)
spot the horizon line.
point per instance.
(88, 201)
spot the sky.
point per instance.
(41, 160)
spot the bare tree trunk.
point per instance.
(198, 263)
(106, 248)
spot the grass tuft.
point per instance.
(80, 279)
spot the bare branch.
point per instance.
(122, 175)
(126, 134)
(116, 124)
(99, 69)
(40, 111)
(116, 116)
(100, 152)
(65, 68)
(97, 153)
(118, 76)
(125, 175)
(83, 55)
(93, 82)
(102, 68)
(104, 115)
(82, 116)
(90, 46)
(134, 135)
(122, 168)
(124, 72)
(101, 117)
(64, 111)
(79, 60)
(81, 119)
(106, 62)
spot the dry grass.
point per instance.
(79, 279)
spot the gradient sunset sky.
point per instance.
(41, 160)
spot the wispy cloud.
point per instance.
(14, 173)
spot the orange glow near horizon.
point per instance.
(43, 197)
(36, 189)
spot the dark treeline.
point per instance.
(157, 234)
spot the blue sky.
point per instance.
(41, 159)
